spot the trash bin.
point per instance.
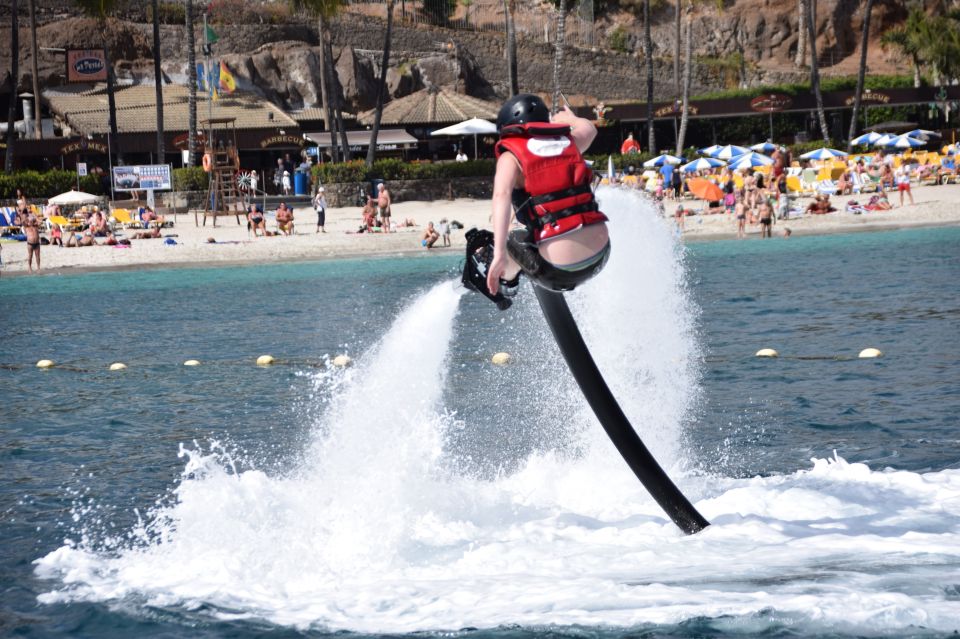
(301, 183)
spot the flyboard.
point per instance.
(591, 382)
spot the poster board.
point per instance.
(149, 177)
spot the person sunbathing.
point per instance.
(255, 220)
(80, 240)
(845, 184)
(146, 235)
(820, 205)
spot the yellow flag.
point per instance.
(227, 83)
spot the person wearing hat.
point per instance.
(285, 181)
(320, 205)
(541, 174)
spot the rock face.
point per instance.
(281, 61)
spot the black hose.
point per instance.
(611, 417)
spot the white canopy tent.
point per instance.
(473, 126)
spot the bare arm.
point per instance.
(581, 130)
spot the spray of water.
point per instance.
(377, 529)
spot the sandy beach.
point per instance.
(934, 206)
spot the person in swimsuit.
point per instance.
(320, 205)
(255, 220)
(383, 206)
(31, 228)
(740, 209)
(766, 219)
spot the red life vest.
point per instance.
(556, 197)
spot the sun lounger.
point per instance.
(794, 185)
(124, 219)
(64, 223)
(827, 186)
(7, 227)
(808, 179)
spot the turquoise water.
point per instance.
(87, 453)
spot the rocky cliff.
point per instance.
(280, 61)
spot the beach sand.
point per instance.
(935, 206)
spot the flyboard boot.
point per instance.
(475, 267)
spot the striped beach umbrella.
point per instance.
(701, 164)
(748, 161)
(710, 150)
(867, 138)
(764, 147)
(922, 134)
(904, 142)
(883, 140)
(729, 151)
(823, 154)
(660, 160)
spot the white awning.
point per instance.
(387, 139)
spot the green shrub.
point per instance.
(191, 178)
(395, 169)
(845, 83)
(46, 184)
(618, 39)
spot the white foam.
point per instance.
(375, 530)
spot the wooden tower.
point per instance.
(221, 160)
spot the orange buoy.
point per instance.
(207, 162)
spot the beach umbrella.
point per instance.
(710, 150)
(729, 151)
(823, 154)
(764, 147)
(883, 139)
(473, 126)
(660, 160)
(922, 134)
(904, 142)
(74, 198)
(705, 189)
(749, 160)
(867, 138)
(701, 164)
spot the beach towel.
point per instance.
(170, 241)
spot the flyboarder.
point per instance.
(542, 174)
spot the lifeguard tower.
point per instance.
(222, 161)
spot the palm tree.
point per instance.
(648, 54)
(100, 9)
(802, 11)
(335, 98)
(815, 70)
(864, 40)
(38, 129)
(12, 75)
(158, 79)
(192, 99)
(909, 39)
(511, 47)
(685, 112)
(382, 89)
(558, 52)
(324, 10)
(676, 52)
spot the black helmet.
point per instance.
(521, 109)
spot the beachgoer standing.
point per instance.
(766, 219)
(31, 228)
(629, 145)
(383, 206)
(278, 177)
(320, 205)
(902, 177)
(254, 180)
(445, 231)
(285, 182)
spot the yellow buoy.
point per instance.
(45, 363)
(767, 352)
(192, 362)
(342, 361)
(868, 353)
(117, 366)
(265, 360)
(501, 358)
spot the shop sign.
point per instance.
(182, 141)
(869, 96)
(83, 145)
(86, 65)
(380, 147)
(675, 109)
(771, 103)
(282, 140)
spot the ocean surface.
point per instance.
(424, 490)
